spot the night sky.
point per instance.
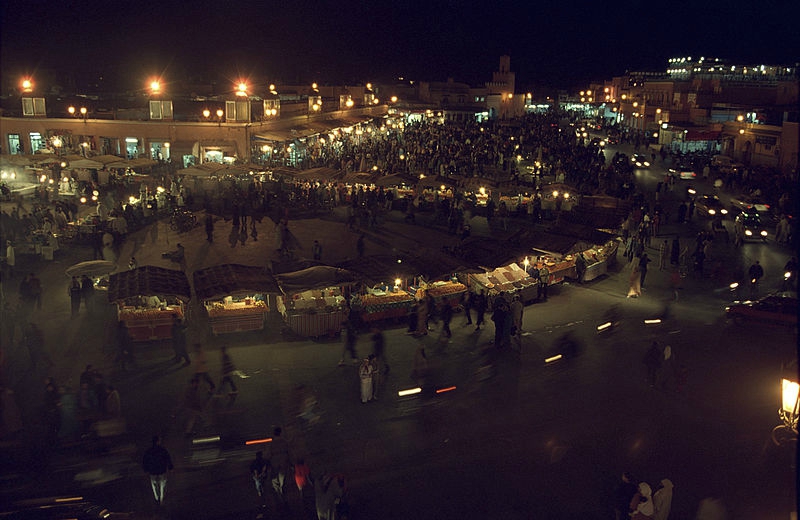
(561, 44)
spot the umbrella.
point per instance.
(91, 268)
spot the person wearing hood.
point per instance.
(662, 500)
(642, 503)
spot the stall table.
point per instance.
(236, 316)
(234, 296)
(313, 316)
(147, 324)
(385, 305)
(148, 299)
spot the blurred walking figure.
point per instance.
(642, 503)
(662, 500)
(663, 252)
(258, 471)
(626, 489)
(193, 404)
(157, 463)
(179, 341)
(350, 338)
(301, 473)
(279, 460)
(365, 372)
(652, 362)
(228, 372)
(201, 367)
(75, 296)
(420, 371)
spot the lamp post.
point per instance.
(786, 433)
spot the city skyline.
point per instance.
(551, 46)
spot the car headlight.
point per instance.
(724, 211)
(763, 233)
(646, 163)
(748, 232)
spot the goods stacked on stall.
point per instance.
(510, 279)
(450, 291)
(379, 304)
(148, 300)
(234, 296)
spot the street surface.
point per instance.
(525, 439)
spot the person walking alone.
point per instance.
(652, 362)
(201, 367)
(258, 471)
(278, 460)
(643, 261)
(663, 251)
(157, 463)
(75, 296)
(350, 338)
(179, 342)
(228, 372)
(365, 372)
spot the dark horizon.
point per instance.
(562, 46)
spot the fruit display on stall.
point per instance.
(447, 288)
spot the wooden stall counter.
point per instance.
(241, 316)
(149, 324)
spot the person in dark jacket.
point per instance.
(75, 296)
(157, 462)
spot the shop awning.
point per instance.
(393, 180)
(491, 253)
(317, 174)
(86, 163)
(317, 277)
(359, 178)
(91, 268)
(230, 279)
(148, 280)
(701, 135)
(435, 182)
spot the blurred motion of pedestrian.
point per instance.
(350, 338)
(179, 341)
(258, 472)
(365, 373)
(279, 460)
(228, 372)
(662, 500)
(75, 296)
(652, 362)
(626, 489)
(157, 463)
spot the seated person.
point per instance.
(175, 256)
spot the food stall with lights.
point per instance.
(148, 299)
(384, 296)
(313, 302)
(234, 296)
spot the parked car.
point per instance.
(749, 226)
(710, 206)
(686, 174)
(774, 310)
(640, 160)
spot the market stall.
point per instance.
(148, 299)
(510, 279)
(599, 259)
(234, 296)
(313, 301)
(450, 292)
(384, 297)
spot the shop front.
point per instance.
(148, 300)
(234, 296)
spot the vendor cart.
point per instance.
(234, 296)
(148, 300)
